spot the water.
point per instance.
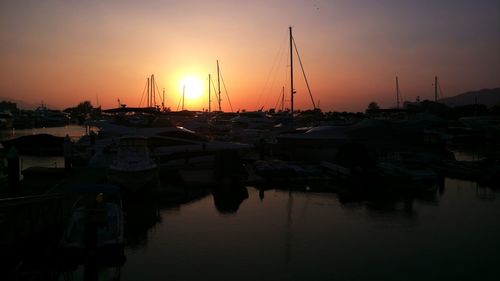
(452, 235)
(73, 131)
(448, 234)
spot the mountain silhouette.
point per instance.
(488, 97)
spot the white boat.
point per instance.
(176, 148)
(6, 120)
(96, 223)
(45, 117)
(312, 144)
(109, 129)
(252, 120)
(398, 171)
(169, 145)
(133, 168)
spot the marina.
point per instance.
(249, 140)
(217, 191)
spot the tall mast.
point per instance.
(397, 93)
(292, 92)
(209, 101)
(153, 92)
(218, 85)
(435, 88)
(147, 102)
(283, 99)
(163, 101)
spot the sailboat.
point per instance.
(312, 144)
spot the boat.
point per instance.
(38, 144)
(6, 119)
(44, 117)
(133, 168)
(95, 227)
(485, 171)
(169, 145)
(252, 120)
(393, 171)
(311, 144)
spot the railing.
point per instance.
(26, 216)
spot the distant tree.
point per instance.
(84, 107)
(10, 106)
(372, 107)
(495, 110)
(82, 111)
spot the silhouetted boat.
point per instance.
(45, 117)
(95, 227)
(40, 144)
(6, 119)
(314, 144)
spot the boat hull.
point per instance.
(308, 149)
(134, 181)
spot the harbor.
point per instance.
(249, 140)
(187, 188)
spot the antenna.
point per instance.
(435, 88)
(292, 92)
(397, 93)
(209, 101)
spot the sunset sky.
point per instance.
(63, 52)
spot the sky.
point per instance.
(68, 51)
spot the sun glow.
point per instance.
(192, 86)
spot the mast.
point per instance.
(283, 99)
(147, 102)
(163, 101)
(153, 92)
(183, 95)
(209, 101)
(218, 85)
(435, 88)
(292, 92)
(397, 93)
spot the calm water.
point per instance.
(450, 235)
(73, 131)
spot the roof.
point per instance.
(88, 188)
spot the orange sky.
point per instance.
(64, 52)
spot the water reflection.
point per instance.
(93, 269)
(74, 132)
(227, 200)
(140, 217)
(310, 232)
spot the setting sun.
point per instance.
(192, 87)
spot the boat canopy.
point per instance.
(97, 188)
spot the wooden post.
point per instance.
(92, 136)
(13, 171)
(67, 154)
